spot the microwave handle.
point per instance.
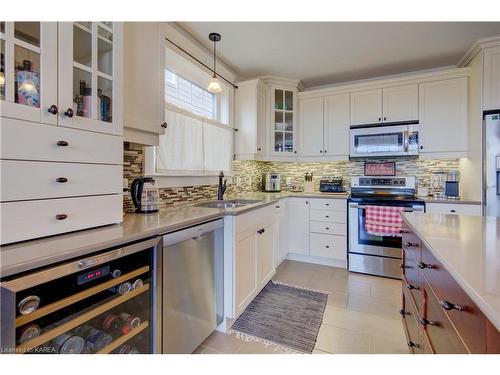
(406, 140)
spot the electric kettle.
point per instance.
(145, 195)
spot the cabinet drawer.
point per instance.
(328, 246)
(256, 218)
(23, 180)
(412, 281)
(453, 209)
(37, 218)
(442, 335)
(410, 323)
(328, 228)
(329, 204)
(328, 216)
(24, 140)
(411, 244)
(469, 321)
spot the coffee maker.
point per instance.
(452, 185)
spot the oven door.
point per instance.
(379, 141)
(362, 242)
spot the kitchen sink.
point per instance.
(230, 203)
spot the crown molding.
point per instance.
(478, 45)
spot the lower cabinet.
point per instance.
(453, 209)
(438, 316)
(265, 253)
(298, 226)
(245, 254)
(280, 232)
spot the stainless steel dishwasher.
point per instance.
(192, 285)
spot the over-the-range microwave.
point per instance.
(383, 141)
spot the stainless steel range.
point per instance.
(372, 252)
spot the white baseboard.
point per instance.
(317, 260)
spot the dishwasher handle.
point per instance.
(196, 232)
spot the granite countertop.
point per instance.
(469, 249)
(450, 201)
(28, 255)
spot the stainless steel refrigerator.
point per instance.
(491, 161)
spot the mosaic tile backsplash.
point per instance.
(249, 175)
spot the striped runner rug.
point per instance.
(283, 315)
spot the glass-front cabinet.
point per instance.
(283, 120)
(28, 71)
(90, 70)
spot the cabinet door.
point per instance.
(311, 126)
(298, 226)
(28, 71)
(283, 231)
(336, 126)
(90, 76)
(491, 80)
(366, 107)
(245, 269)
(144, 67)
(283, 121)
(453, 209)
(265, 253)
(443, 115)
(262, 122)
(400, 103)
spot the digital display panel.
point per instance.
(93, 275)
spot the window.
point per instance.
(186, 95)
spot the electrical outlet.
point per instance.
(288, 180)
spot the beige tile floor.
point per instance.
(361, 316)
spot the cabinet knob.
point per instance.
(61, 216)
(423, 265)
(295, 152)
(62, 143)
(52, 109)
(411, 244)
(259, 149)
(61, 180)
(164, 125)
(412, 344)
(410, 286)
(324, 151)
(320, 151)
(277, 206)
(68, 113)
(385, 118)
(402, 266)
(327, 216)
(327, 228)
(380, 119)
(447, 305)
(453, 211)
(327, 246)
(263, 230)
(403, 313)
(401, 231)
(421, 147)
(425, 322)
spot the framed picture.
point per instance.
(380, 169)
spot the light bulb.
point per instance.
(28, 86)
(2, 78)
(214, 85)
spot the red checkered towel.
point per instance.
(383, 221)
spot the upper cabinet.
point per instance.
(144, 88)
(366, 107)
(90, 71)
(28, 71)
(491, 79)
(443, 112)
(311, 112)
(63, 74)
(283, 120)
(400, 103)
(390, 104)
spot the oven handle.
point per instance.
(406, 137)
(410, 209)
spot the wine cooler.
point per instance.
(104, 303)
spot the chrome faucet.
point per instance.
(222, 187)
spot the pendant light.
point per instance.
(214, 84)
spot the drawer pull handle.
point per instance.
(61, 216)
(68, 113)
(164, 125)
(327, 204)
(453, 210)
(52, 109)
(423, 265)
(410, 286)
(403, 313)
(401, 231)
(412, 344)
(411, 244)
(327, 216)
(327, 246)
(327, 228)
(425, 322)
(403, 266)
(62, 143)
(447, 305)
(62, 180)
(277, 206)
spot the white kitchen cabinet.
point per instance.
(328, 246)
(90, 72)
(265, 253)
(336, 125)
(250, 119)
(443, 114)
(400, 103)
(311, 126)
(453, 209)
(28, 75)
(366, 107)
(491, 79)
(280, 231)
(298, 226)
(245, 268)
(144, 86)
(283, 120)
